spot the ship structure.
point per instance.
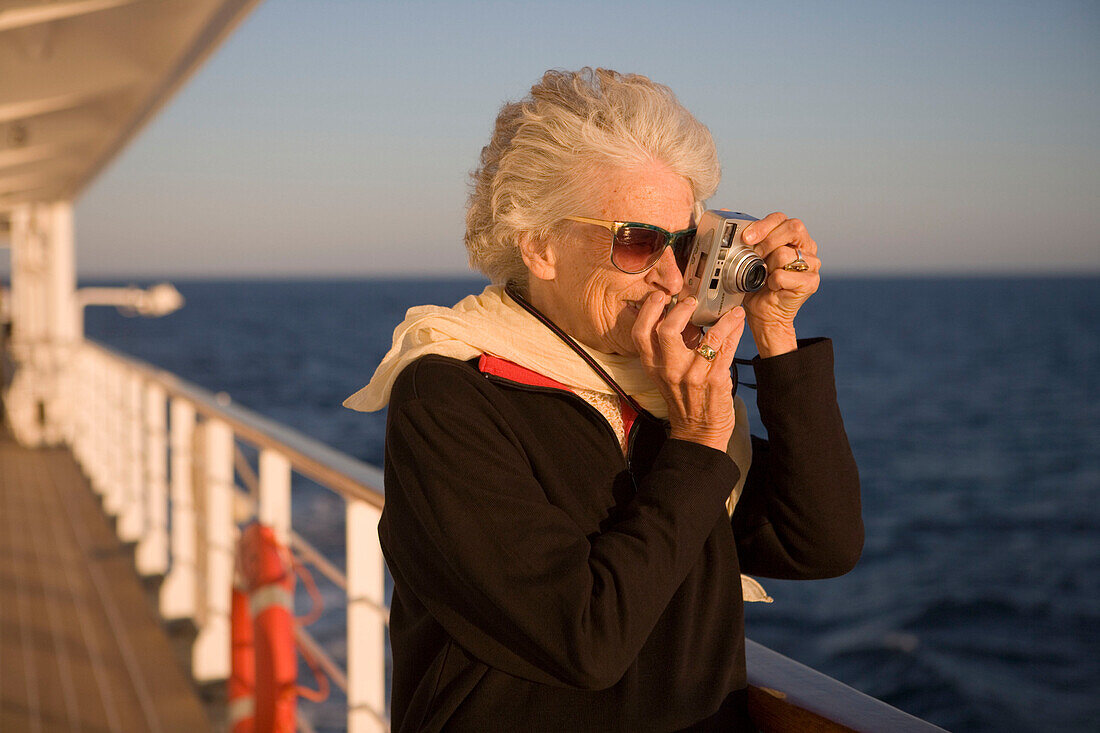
(123, 488)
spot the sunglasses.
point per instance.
(637, 247)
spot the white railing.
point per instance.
(133, 422)
(121, 437)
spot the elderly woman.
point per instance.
(571, 490)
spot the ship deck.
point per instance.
(81, 646)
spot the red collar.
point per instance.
(499, 367)
(489, 364)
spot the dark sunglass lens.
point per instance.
(636, 248)
(681, 247)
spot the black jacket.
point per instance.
(542, 581)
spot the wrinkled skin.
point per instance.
(573, 281)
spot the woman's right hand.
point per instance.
(699, 393)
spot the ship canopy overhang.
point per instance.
(80, 78)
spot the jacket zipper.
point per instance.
(630, 447)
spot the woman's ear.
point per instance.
(539, 255)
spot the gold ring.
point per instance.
(798, 264)
(706, 351)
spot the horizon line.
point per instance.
(277, 276)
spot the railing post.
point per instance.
(87, 427)
(152, 551)
(109, 437)
(366, 627)
(114, 486)
(210, 654)
(177, 594)
(96, 427)
(131, 520)
(75, 400)
(274, 510)
(80, 395)
(105, 432)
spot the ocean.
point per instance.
(972, 409)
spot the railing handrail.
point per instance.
(787, 683)
(782, 691)
(337, 471)
(128, 462)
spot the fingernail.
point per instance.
(691, 300)
(749, 237)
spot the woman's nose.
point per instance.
(666, 273)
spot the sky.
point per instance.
(336, 137)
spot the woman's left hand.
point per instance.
(770, 311)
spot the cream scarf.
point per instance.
(493, 323)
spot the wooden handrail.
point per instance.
(785, 695)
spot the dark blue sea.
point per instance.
(972, 407)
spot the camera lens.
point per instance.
(745, 272)
(755, 276)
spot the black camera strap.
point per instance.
(523, 303)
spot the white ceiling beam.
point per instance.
(38, 14)
(44, 192)
(22, 182)
(89, 66)
(27, 108)
(24, 108)
(30, 196)
(11, 157)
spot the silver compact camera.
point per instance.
(720, 269)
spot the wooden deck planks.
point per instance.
(81, 648)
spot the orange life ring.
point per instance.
(267, 572)
(263, 689)
(242, 679)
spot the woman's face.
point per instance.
(587, 296)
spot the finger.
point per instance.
(693, 336)
(783, 256)
(717, 337)
(754, 232)
(792, 233)
(643, 331)
(728, 345)
(670, 330)
(652, 310)
(724, 326)
(800, 283)
(734, 338)
(695, 377)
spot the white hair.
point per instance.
(550, 152)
